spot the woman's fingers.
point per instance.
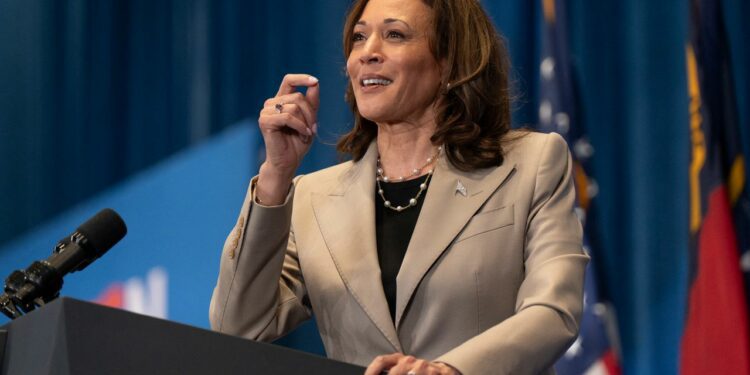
(291, 82)
(382, 363)
(296, 104)
(421, 366)
(400, 364)
(288, 121)
(270, 122)
(313, 96)
(403, 366)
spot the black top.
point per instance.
(393, 231)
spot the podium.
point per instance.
(69, 336)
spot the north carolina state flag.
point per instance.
(715, 339)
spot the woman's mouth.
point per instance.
(375, 82)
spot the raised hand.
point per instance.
(288, 123)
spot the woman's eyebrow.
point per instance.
(385, 21)
(392, 20)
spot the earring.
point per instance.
(447, 88)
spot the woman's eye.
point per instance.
(357, 37)
(395, 34)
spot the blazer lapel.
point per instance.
(451, 200)
(346, 218)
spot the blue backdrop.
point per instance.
(177, 212)
(92, 92)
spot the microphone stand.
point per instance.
(3, 339)
(20, 296)
(5, 305)
(8, 307)
(26, 290)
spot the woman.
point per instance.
(448, 245)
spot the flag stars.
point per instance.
(592, 188)
(545, 112)
(585, 300)
(563, 122)
(548, 68)
(581, 214)
(745, 262)
(600, 310)
(574, 349)
(583, 149)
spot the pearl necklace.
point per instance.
(415, 172)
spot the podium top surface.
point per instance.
(69, 336)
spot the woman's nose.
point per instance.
(372, 53)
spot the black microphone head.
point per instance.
(103, 230)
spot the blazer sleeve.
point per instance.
(550, 298)
(260, 293)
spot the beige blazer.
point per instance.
(491, 283)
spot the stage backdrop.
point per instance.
(177, 214)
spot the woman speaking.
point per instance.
(447, 245)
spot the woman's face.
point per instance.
(393, 73)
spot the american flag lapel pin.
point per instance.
(460, 188)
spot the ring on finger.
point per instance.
(279, 107)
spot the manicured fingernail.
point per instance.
(313, 79)
(315, 128)
(309, 132)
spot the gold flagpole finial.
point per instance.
(549, 10)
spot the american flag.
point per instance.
(593, 351)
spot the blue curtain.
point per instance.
(93, 91)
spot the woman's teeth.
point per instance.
(376, 81)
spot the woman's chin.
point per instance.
(377, 116)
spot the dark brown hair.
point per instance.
(473, 114)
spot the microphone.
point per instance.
(41, 282)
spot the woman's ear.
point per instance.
(445, 73)
(445, 80)
(444, 68)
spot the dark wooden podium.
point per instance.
(73, 337)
